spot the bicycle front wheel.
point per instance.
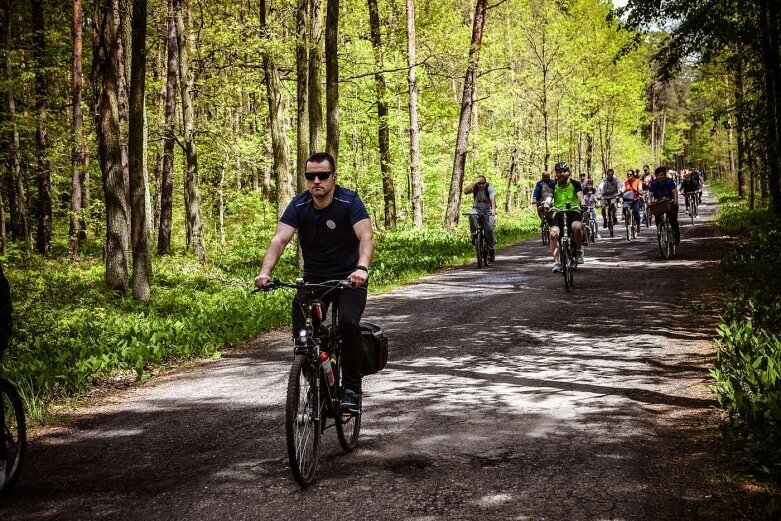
(13, 436)
(629, 226)
(664, 240)
(302, 421)
(479, 249)
(610, 222)
(566, 265)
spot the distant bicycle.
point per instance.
(545, 231)
(692, 206)
(629, 220)
(482, 250)
(13, 439)
(611, 213)
(646, 210)
(590, 223)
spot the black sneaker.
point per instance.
(557, 267)
(579, 257)
(604, 223)
(491, 255)
(351, 403)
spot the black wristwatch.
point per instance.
(362, 268)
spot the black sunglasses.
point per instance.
(310, 176)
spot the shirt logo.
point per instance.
(330, 224)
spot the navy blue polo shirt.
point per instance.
(328, 240)
(663, 190)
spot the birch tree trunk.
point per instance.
(279, 145)
(383, 133)
(332, 79)
(315, 77)
(43, 238)
(414, 130)
(167, 170)
(193, 197)
(302, 94)
(75, 233)
(452, 213)
(105, 75)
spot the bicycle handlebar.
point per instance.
(301, 284)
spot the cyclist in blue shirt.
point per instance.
(337, 243)
(542, 190)
(664, 188)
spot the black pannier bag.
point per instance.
(375, 348)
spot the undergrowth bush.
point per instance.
(748, 359)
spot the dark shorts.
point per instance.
(572, 216)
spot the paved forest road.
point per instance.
(506, 398)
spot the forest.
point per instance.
(148, 146)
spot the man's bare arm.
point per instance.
(363, 230)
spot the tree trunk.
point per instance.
(282, 178)
(511, 178)
(654, 161)
(121, 16)
(43, 238)
(740, 121)
(77, 155)
(414, 130)
(302, 109)
(185, 40)
(590, 154)
(3, 236)
(106, 80)
(383, 132)
(770, 58)
(315, 77)
(453, 213)
(167, 170)
(139, 230)
(332, 78)
(19, 218)
(662, 136)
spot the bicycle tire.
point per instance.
(664, 239)
(647, 217)
(348, 428)
(479, 249)
(671, 240)
(13, 434)
(302, 421)
(544, 234)
(628, 224)
(565, 263)
(610, 222)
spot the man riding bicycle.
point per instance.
(664, 188)
(336, 240)
(542, 191)
(609, 190)
(689, 188)
(484, 208)
(696, 179)
(566, 192)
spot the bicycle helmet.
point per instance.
(562, 165)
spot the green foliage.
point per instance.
(747, 370)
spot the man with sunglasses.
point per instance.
(484, 208)
(337, 243)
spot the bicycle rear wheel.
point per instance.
(13, 436)
(302, 421)
(671, 239)
(628, 224)
(348, 427)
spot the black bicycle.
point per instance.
(591, 224)
(664, 234)
(545, 230)
(646, 211)
(692, 206)
(629, 221)
(611, 213)
(314, 389)
(13, 436)
(478, 237)
(567, 252)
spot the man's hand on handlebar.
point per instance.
(262, 280)
(358, 277)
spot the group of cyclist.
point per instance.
(579, 199)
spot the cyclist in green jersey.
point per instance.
(566, 192)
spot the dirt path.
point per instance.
(506, 398)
